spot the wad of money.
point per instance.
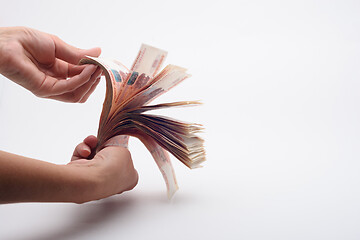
(126, 111)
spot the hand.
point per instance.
(46, 66)
(111, 169)
(110, 172)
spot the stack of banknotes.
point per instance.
(126, 111)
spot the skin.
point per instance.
(45, 65)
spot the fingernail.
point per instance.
(86, 152)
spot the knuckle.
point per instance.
(39, 89)
(74, 98)
(27, 31)
(55, 37)
(82, 201)
(83, 99)
(77, 99)
(135, 180)
(38, 92)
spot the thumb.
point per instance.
(72, 54)
(93, 52)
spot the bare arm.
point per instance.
(47, 66)
(29, 180)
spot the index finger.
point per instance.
(52, 86)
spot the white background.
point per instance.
(280, 83)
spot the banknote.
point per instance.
(129, 93)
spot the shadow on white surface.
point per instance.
(84, 218)
(280, 83)
(89, 217)
(93, 220)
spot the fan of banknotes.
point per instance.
(126, 111)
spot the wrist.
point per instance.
(81, 183)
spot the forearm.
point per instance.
(29, 180)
